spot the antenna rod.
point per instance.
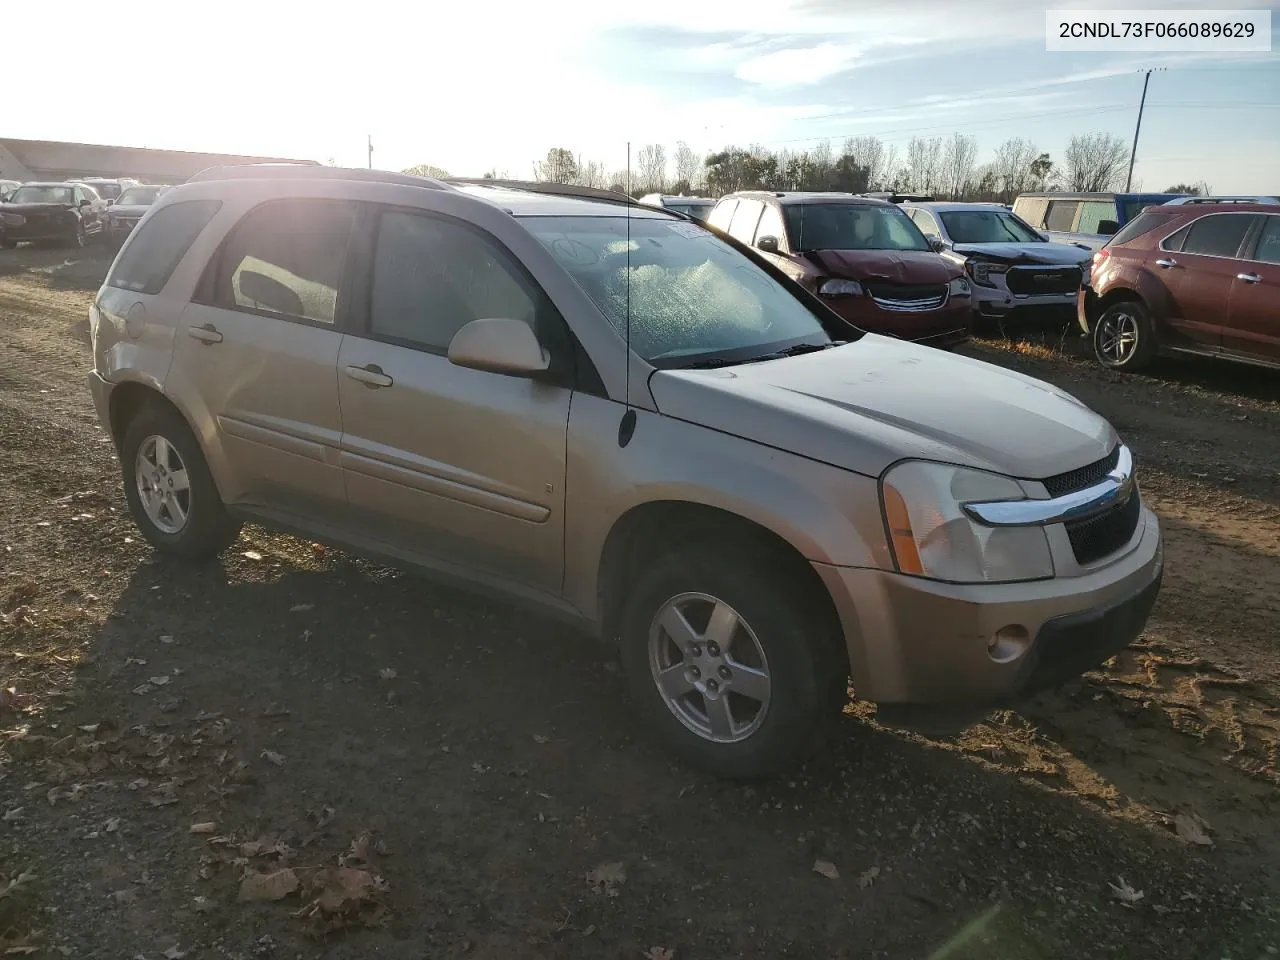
(628, 274)
(370, 143)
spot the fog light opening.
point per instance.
(1009, 643)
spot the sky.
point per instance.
(478, 87)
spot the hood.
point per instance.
(35, 207)
(878, 400)
(1025, 252)
(129, 209)
(892, 266)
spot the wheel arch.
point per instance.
(662, 525)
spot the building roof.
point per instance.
(52, 159)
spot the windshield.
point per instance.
(852, 226)
(142, 196)
(42, 194)
(107, 191)
(691, 208)
(987, 226)
(691, 295)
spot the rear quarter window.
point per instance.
(157, 247)
(1142, 224)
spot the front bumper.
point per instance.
(1086, 309)
(947, 326)
(918, 641)
(994, 302)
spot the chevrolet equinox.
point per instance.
(626, 418)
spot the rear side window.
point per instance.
(722, 214)
(158, 246)
(1218, 235)
(1031, 209)
(1093, 212)
(286, 257)
(743, 226)
(1061, 215)
(1143, 223)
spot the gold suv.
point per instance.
(625, 418)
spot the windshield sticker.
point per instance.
(690, 230)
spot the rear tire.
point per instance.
(170, 491)
(1124, 337)
(783, 647)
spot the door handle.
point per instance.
(205, 333)
(1166, 264)
(371, 376)
(1248, 277)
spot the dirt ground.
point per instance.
(416, 773)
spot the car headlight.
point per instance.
(981, 271)
(959, 287)
(840, 288)
(931, 535)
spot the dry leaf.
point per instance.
(251, 555)
(206, 827)
(1193, 829)
(158, 681)
(387, 673)
(659, 953)
(302, 607)
(268, 886)
(274, 758)
(173, 953)
(1126, 894)
(540, 738)
(359, 853)
(167, 638)
(344, 896)
(607, 878)
(868, 877)
(827, 869)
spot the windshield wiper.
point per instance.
(797, 350)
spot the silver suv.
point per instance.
(629, 420)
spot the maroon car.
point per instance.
(1193, 278)
(864, 257)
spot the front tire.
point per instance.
(736, 665)
(170, 491)
(1124, 337)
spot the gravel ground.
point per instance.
(292, 753)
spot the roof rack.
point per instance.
(311, 171)
(545, 186)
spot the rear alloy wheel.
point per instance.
(736, 665)
(1123, 337)
(170, 491)
(79, 239)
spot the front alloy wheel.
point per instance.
(164, 488)
(1123, 337)
(709, 667)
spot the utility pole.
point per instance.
(370, 142)
(1128, 181)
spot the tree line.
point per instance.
(945, 168)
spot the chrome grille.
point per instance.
(1032, 280)
(907, 298)
(1081, 477)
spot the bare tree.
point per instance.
(1094, 162)
(651, 167)
(958, 161)
(559, 167)
(590, 173)
(1201, 189)
(687, 163)
(1041, 171)
(924, 163)
(427, 170)
(870, 152)
(821, 163)
(1011, 168)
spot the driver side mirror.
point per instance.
(110, 201)
(767, 244)
(936, 244)
(1108, 227)
(499, 345)
(85, 201)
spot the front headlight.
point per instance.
(931, 536)
(959, 287)
(981, 271)
(840, 288)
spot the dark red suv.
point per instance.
(865, 258)
(1194, 278)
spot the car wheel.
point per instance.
(79, 238)
(1123, 337)
(738, 667)
(170, 491)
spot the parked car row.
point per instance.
(636, 422)
(72, 212)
